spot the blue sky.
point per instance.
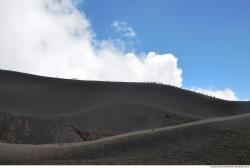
(211, 38)
(202, 46)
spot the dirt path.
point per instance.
(17, 152)
(194, 123)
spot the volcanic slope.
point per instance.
(41, 110)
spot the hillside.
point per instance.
(181, 126)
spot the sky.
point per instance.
(202, 46)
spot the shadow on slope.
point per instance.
(35, 130)
(121, 118)
(86, 125)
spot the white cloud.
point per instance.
(226, 94)
(51, 37)
(122, 27)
